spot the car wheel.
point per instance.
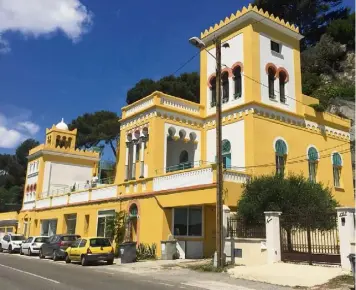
(10, 249)
(110, 262)
(67, 259)
(54, 256)
(1, 249)
(21, 252)
(29, 252)
(83, 261)
(41, 255)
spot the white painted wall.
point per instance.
(235, 133)
(184, 179)
(43, 203)
(59, 175)
(176, 147)
(229, 56)
(59, 200)
(286, 60)
(102, 193)
(79, 197)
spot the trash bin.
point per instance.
(168, 249)
(128, 252)
(352, 261)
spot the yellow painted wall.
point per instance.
(10, 215)
(298, 139)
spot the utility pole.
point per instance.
(219, 176)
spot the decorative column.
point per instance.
(346, 227)
(134, 148)
(273, 236)
(127, 161)
(142, 153)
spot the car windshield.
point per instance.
(100, 242)
(69, 238)
(41, 240)
(18, 238)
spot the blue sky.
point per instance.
(64, 69)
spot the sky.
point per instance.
(62, 58)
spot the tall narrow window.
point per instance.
(225, 87)
(312, 163)
(226, 153)
(271, 78)
(337, 164)
(213, 92)
(281, 153)
(282, 86)
(184, 160)
(237, 82)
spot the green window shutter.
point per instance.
(281, 148)
(313, 154)
(226, 146)
(337, 159)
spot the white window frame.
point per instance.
(202, 224)
(102, 215)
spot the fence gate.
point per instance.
(310, 239)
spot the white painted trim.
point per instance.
(275, 141)
(202, 224)
(312, 146)
(63, 154)
(331, 158)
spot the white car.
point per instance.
(11, 243)
(32, 245)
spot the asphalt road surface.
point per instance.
(27, 273)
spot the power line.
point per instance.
(184, 64)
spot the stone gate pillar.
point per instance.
(273, 236)
(346, 228)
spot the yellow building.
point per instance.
(165, 175)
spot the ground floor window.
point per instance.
(188, 221)
(71, 221)
(105, 219)
(48, 227)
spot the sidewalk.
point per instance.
(285, 274)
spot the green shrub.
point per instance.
(146, 252)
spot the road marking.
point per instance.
(31, 274)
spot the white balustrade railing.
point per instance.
(176, 103)
(140, 106)
(188, 178)
(235, 176)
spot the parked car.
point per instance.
(32, 245)
(88, 250)
(11, 243)
(56, 246)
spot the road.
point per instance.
(31, 273)
(19, 273)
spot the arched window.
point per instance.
(225, 86)
(282, 85)
(337, 164)
(213, 92)
(271, 78)
(313, 157)
(226, 153)
(184, 160)
(237, 82)
(281, 153)
(133, 211)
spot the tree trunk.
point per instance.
(112, 148)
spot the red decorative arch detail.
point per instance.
(268, 65)
(138, 219)
(35, 186)
(282, 69)
(31, 187)
(228, 70)
(236, 64)
(210, 78)
(27, 188)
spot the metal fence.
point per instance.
(241, 228)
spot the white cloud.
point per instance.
(43, 17)
(9, 138)
(13, 131)
(28, 126)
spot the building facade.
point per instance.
(165, 173)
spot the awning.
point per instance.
(8, 223)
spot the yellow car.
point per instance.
(85, 250)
